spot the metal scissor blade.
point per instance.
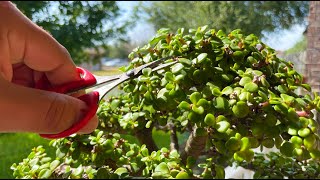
(101, 80)
(105, 79)
(103, 88)
(138, 70)
(163, 66)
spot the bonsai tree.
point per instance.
(227, 95)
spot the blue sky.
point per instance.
(286, 38)
(279, 40)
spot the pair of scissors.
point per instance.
(101, 85)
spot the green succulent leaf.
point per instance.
(177, 68)
(195, 97)
(251, 87)
(45, 173)
(201, 57)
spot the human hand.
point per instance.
(27, 52)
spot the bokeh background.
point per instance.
(100, 34)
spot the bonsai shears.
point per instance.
(100, 86)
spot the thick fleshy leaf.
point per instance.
(233, 144)
(54, 164)
(227, 90)
(184, 105)
(245, 144)
(121, 171)
(286, 149)
(146, 71)
(221, 103)
(304, 132)
(203, 102)
(184, 61)
(163, 168)
(287, 98)
(45, 173)
(201, 57)
(281, 108)
(197, 109)
(210, 119)
(195, 97)
(241, 109)
(182, 175)
(222, 126)
(244, 80)
(169, 76)
(251, 87)
(176, 68)
(306, 86)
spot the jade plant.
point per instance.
(226, 95)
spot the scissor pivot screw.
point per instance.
(130, 73)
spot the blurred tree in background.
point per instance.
(78, 25)
(254, 17)
(120, 50)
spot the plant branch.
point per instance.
(194, 145)
(174, 144)
(144, 136)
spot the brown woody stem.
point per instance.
(144, 136)
(174, 145)
(194, 146)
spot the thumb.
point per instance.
(26, 109)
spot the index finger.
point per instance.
(41, 51)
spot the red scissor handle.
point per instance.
(91, 99)
(87, 79)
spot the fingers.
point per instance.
(90, 127)
(45, 54)
(33, 46)
(23, 75)
(30, 110)
(5, 64)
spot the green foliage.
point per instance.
(78, 25)
(276, 166)
(30, 8)
(15, 147)
(228, 92)
(251, 16)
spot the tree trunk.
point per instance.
(195, 145)
(312, 70)
(145, 137)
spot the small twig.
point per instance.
(174, 144)
(163, 128)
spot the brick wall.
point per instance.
(312, 70)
